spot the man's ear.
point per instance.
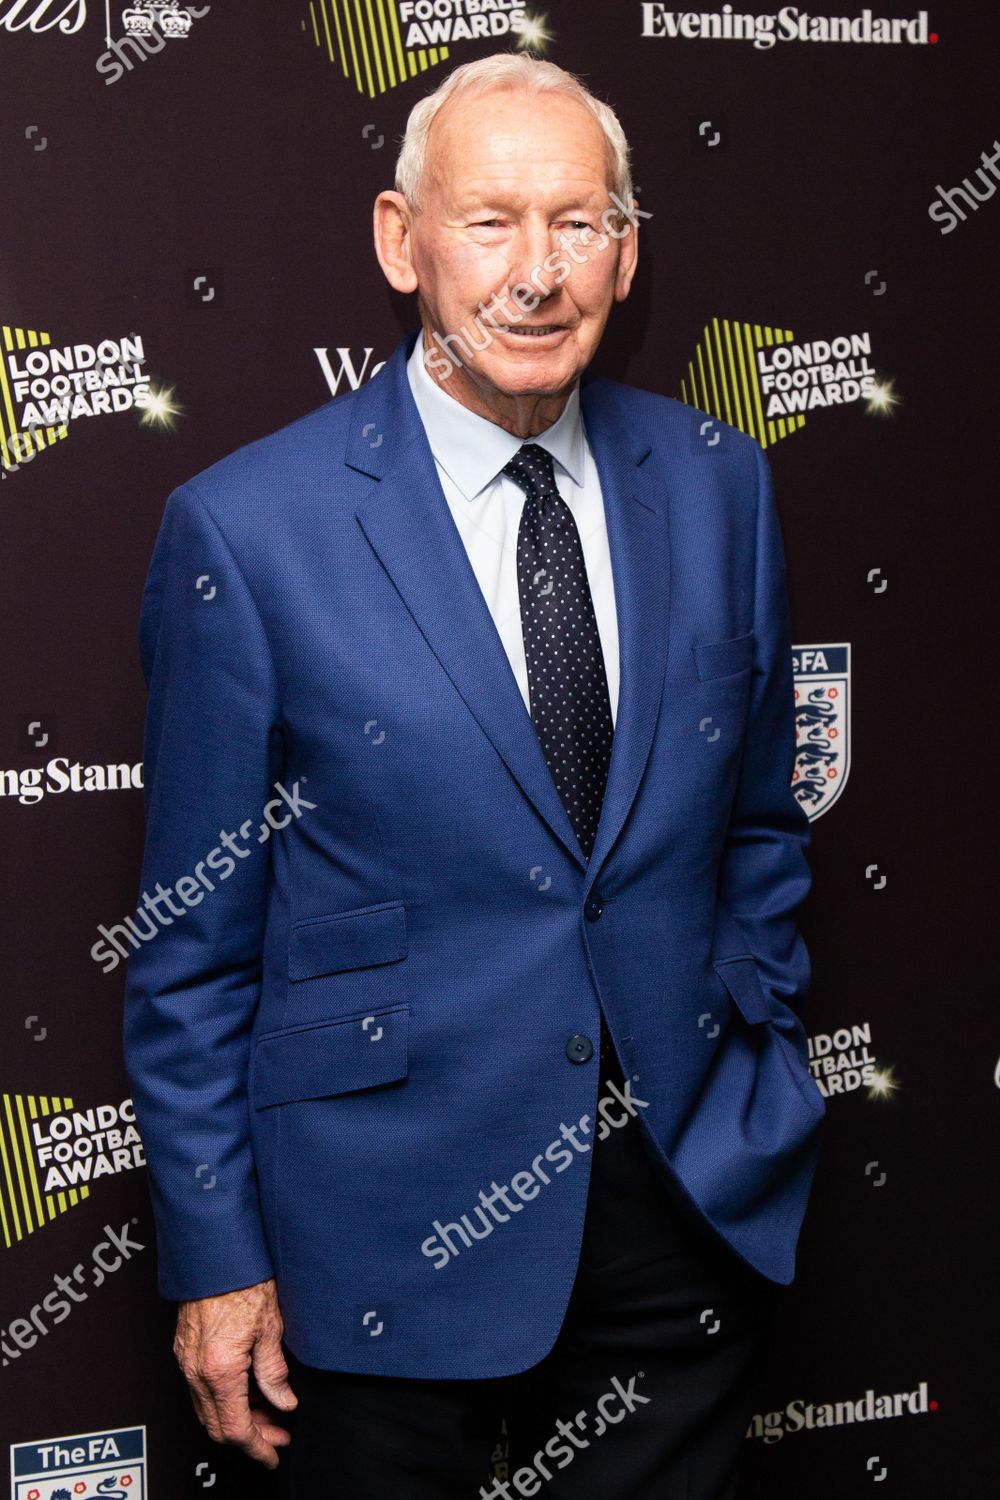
(628, 256)
(391, 221)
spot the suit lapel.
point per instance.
(409, 525)
(636, 510)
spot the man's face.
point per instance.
(506, 175)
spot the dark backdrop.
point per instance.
(789, 188)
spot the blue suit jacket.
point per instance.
(358, 1021)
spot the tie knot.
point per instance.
(532, 468)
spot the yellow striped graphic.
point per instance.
(16, 445)
(362, 38)
(723, 379)
(23, 1206)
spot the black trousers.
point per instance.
(646, 1393)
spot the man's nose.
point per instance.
(534, 243)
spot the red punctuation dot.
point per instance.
(933, 1405)
(933, 38)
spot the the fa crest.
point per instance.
(822, 725)
(109, 1464)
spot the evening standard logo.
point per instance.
(786, 25)
(109, 1464)
(29, 784)
(842, 1062)
(379, 48)
(43, 388)
(822, 725)
(808, 1416)
(760, 379)
(53, 1152)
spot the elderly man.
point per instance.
(470, 1076)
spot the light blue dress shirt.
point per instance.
(470, 452)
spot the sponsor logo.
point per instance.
(111, 1464)
(66, 17)
(807, 1416)
(43, 388)
(796, 378)
(45, 15)
(51, 1152)
(842, 1062)
(173, 21)
(347, 373)
(148, 26)
(380, 47)
(822, 725)
(31, 783)
(790, 24)
(762, 381)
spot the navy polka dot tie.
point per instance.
(567, 683)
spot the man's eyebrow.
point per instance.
(470, 203)
(475, 199)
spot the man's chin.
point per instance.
(527, 376)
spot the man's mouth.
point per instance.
(539, 331)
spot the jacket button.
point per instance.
(592, 908)
(579, 1049)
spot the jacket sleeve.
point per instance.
(212, 750)
(764, 874)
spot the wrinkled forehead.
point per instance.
(505, 134)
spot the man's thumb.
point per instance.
(270, 1371)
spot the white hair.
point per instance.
(514, 71)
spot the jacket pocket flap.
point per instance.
(742, 980)
(347, 940)
(721, 658)
(335, 1057)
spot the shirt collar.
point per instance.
(471, 449)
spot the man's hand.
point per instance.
(217, 1341)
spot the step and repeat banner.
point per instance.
(186, 265)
